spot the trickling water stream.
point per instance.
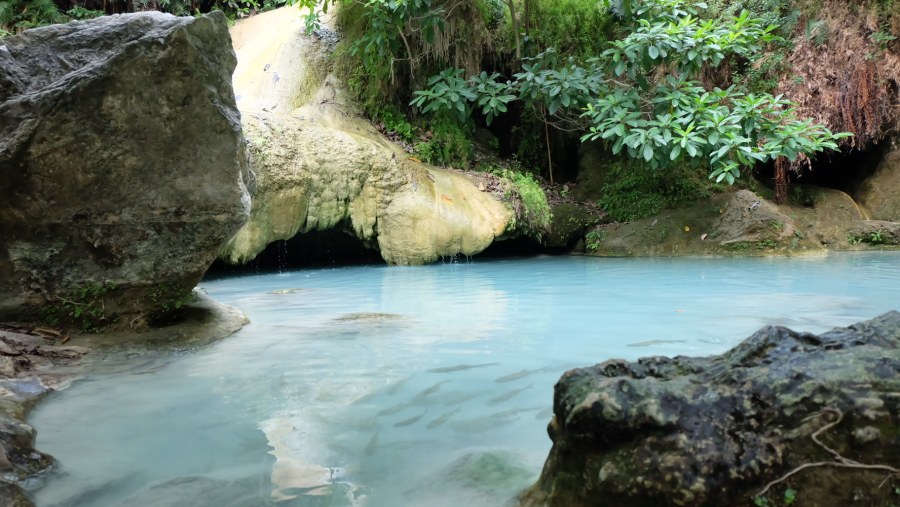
(425, 386)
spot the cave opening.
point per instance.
(845, 170)
(314, 249)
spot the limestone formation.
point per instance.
(321, 166)
(748, 218)
(713, 431)
(878, 194)
(123, 168)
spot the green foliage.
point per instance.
(872, 238)
(659, 117)
(394, 123)
(19, 15)
(542, 83)
(167, 298)
(537, 210)
(593, 239)
(780, 13)
(526, 198)
(577, 28)
(762, 74)
(79, 12)
(383, 28)
(766, 244)
(817, 31)
(790, 496)
(82, 307)
(882, 39)
(676, 117)
(447, 143)
(491, 12)
(448, 92)
(634, 190)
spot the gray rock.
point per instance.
(876, 232)
(21, 459)
(712, 431)
(122, 164)
(12, 495)
(7, 367)
(748, 218)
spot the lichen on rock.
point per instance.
(122, 164)
(711, 431)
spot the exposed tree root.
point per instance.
(839, 461)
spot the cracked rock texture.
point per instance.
(712, 431)
(122, 162)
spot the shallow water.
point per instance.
(391, 386)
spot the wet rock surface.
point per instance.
(122, 165)
(31, 363)
(37, 361)
(713, 431)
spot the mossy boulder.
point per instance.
(569, 222)
(713, 431)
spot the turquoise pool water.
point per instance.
(393, 386)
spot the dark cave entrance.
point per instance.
(315, 249)
(845, 170)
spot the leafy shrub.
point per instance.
(634, 190)
(578, 28)
(395, 123)
(79, 12)
(526, 198)
(448, 143)
(19, 15)
(659, 117)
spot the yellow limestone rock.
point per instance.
(319, 165)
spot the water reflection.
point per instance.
(411, 386)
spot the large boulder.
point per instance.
(712, 431)
(123, 168)
(748, 218)
(321, 166)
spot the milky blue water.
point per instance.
(393, 386)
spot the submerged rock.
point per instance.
(122, 165)
(713, 431)
(185, 491)
(477, 477)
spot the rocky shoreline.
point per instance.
(36, 361)
(714, 431)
